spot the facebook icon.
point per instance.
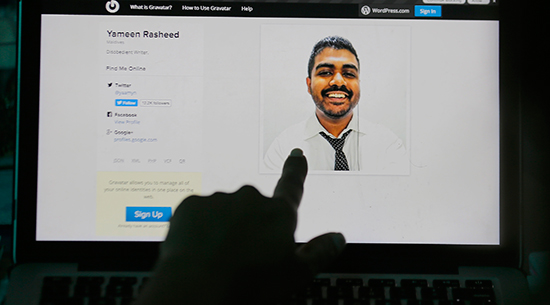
(427, 11)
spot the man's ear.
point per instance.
(308, 82)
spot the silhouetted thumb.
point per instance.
(321, 250)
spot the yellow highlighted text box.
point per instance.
(118, 190)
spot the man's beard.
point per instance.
(335, 114)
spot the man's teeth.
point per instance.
(337, 95)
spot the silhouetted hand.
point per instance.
(239, 248)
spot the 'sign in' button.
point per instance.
(427, 11)
(149, 214)
(126, 103)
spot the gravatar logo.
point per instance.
(112, 6)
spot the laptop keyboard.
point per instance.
(118, 290)
(90, 290)
(355, 291)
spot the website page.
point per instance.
(139, 112)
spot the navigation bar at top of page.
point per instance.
(433, 9)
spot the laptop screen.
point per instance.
(144, 103)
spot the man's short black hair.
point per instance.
(335, 42)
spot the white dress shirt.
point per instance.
(370, 148)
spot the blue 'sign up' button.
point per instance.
(427, 11)
(148, 213)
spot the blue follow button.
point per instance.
(150, 214)
(126, 103)
(427, 11)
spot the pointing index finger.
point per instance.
(291, 184)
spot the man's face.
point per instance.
(334, 83)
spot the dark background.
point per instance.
(535, 101)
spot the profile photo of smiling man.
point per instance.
(334, 138)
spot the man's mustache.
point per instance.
(337, 88)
